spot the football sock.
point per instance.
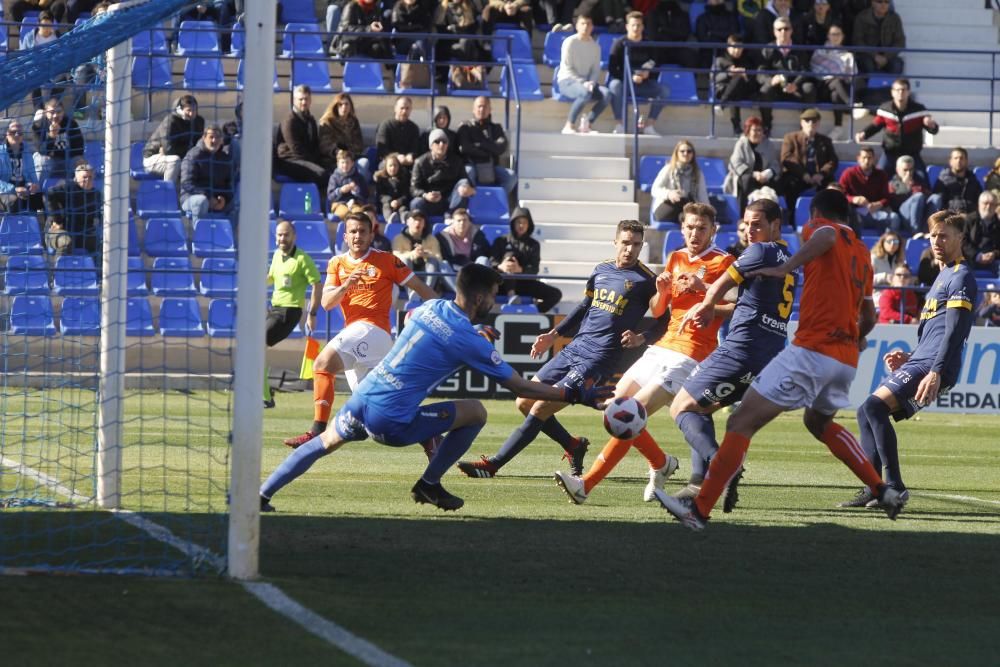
(699, 431)
(647, 447)
(613, 452)
(267, 384)
(555, 430)
(699, 465)
(845, 447)
(323, 385)
(293, 466)
(521, 437)
(726, 462)
(886, 447)
(451, 449)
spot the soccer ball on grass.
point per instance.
(624, 417)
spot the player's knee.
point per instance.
(815, 423)
(477, 413)
(524, 405)
(873, 408)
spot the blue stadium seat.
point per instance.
(392, 229)
(80, 316)
(844, 165)
(528, 85)
(138, 317)
(605, 40)
(19, 234)
(672, 240)
(869, 240)
(493, 232)
(981, 173)
(298, 11)
(303, 40)
(933, 171)
(489, 206)
(915, 248)
(28, 23)
(166, 237)
(792, 239)
(31, 315)
(519, 309)
(552, 49)
(881, 81)
(312, 73)
(180, 316)
(363, 77)
(135, 168)
(238, 40)
(136, 280)
(26, 274)
(222, 318)
(218, 277)
(329, 323)
(714, 170)
(157, 198)
(75, 275)
(93, 153)
(556, 93)
(204, 74)
(520, 43)
(696, 9)
(725, 239)
(213, 237)
(727, 208)
(3, 39)
(649, 167)
(240, 80)
(802, 205)
(152, 72)
(150, 43)
(312, 237)
(407, 91)
(339, 240)
(197, 38)
(682, 85)
(292, 202)
(172, 276)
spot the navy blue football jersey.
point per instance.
(760, 321)
(955, 287)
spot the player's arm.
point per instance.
(661, 300)
(591, 396)
(866, 319)
(333, 294)
(567, 327)
(957, 312)
(422, 289)
(819, 243)
(710, 307)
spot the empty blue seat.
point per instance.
(792, 240)
(605, 40)
(75, 275)
(93, 153)
(312, 73)
(392, 229)
(556, 93)
(31, 315)
(528, 85)
(197, 38)
(237, 40)
(298, 11)
(493, 232)
(80, 316)
(552, 49)
(152, 72)
(136, 281)
(180, 316)
(213, 237)
(26, 274)
(292, 202)
(695, 10)
(682, 85)
(725, 239)
(19, 234)
(329, 323)
(302, 40)
(881, 80)
(166, 237)
(138, 317)
(489, 206)
(933, 171)
(672, 240)
(222, 318)
(312, 237)
(135, 168)
(519, 309)
(520, 45)
(914, 249)
(649, 167)
(157, 199)
(363, 77)
(802, 205)
(204, 74)
(149, 43)
(218, 277)
(714, 170)
(172, 276)
(981, 173)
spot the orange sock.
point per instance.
(725, 463)
(647, 447)
(322, 395)
(845, 447)
(605, 462)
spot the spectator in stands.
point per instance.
(442, 120)
(457, 17)
(203, 11)
(669, 22)
(20, 189)
(439, 183)
(89, 73)
(897, 305)
(908, 194)
(44, 33)
(208, 177)
(732, 83)
(814, 25)
(360, 16)
(783, 79)
(517, 252)
(392, 188)
(879, 26)
(642, 61)
(957, 188)
(716, 24)
(867, 189)
(808, 159)
(79, 210)
(410, 16)
(902, 121)
(835, 67)
(887, 256)
(760, 30)
(461, 243)
(508, 14)
(347, 185)
(992, 180)
(680, 182)
(742, 241)
(176, 134)
(17, 9)
(981, 245)
(557, 13)
(753, 163)
(400, 135)
(339, 128)
(579, 76)
(297, 151)
(929, 268)
(58, 142)
(989, 309)
(416, 246)
(481, 144)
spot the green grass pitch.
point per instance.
(519, 576)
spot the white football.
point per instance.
(624, 417)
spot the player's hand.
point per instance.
(699, 317)
(492, 334)
(631, 339)
(894, 359)
(663, 282)
(589, 394)
(355, 276)
(927, 390)
(769, 272)
(542, 344)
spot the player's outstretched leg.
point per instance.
(470, 417)
(520, 437)
(323, 395)
(294, 465)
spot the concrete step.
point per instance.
(555, 231)
(589, 213)
(936, 64)
(577, 250)
(947, 17)
(585, 268)
(964, 136)
(574, 166)
(916, 8)
(548, 143)
(593, 189)
(945, 36)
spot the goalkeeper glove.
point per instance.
(489, 333)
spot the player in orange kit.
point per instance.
(362, 282)
(816, 370)
(659, 374)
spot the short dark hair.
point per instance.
(477, 279)
(770, 209)
(867, 149)
(959, 149)
(830, 204)
(698, 209)
(360, 217)
(902, 82)
(630, 226)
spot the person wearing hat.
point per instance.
(439, 183)
(781, 78)
(442, 120)
(808, 159)
(516, 253)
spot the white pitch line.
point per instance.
(272, 596)
(964, 499)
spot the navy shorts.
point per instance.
(903, 384)
(723, 377)
(355, 421)
(569, 369)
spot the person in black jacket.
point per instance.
(902, 122)
(641, 60)
(399, 134)
(731, 81)
(176, 134)
(441, 120)
(438, 183)
(981, 245)
(77, 209)
(208, 181)
(481, 144)
(58, 142)
(716, 24)
(783, 79)
(517, 253)
(957, 188)
(296, 147)
(669, 22)
(360, 16)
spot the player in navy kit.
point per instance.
(618, 293)
(757, 333)
(439, 339)
(919, 377)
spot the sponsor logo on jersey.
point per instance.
(772, 323)
(495, 358)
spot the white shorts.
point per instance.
(667, 368)
(361, 346)
(801, 378)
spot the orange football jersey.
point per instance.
(710, 264)
(835, 285)
(371, 298)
